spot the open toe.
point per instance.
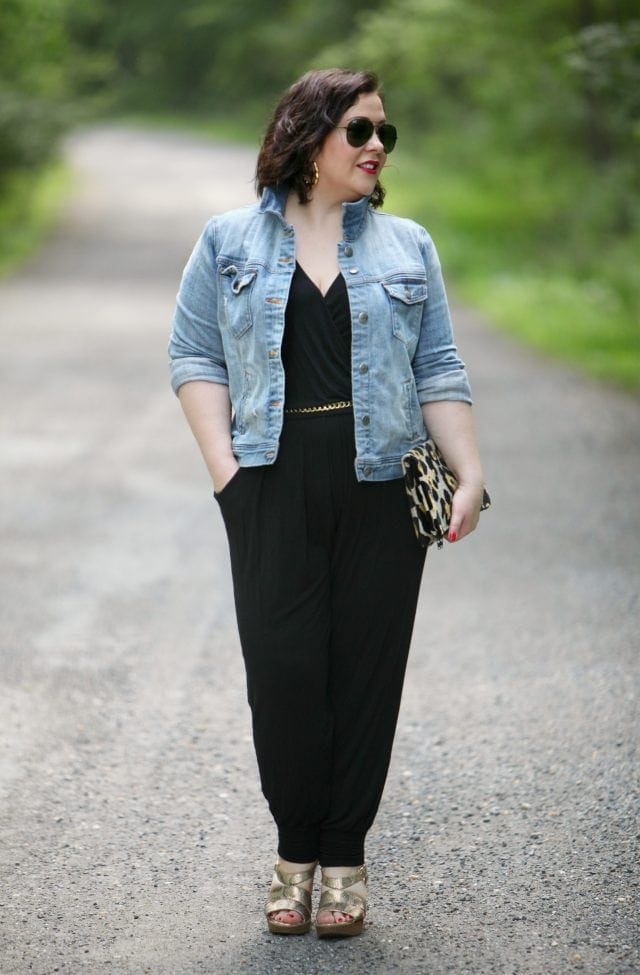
(288, 897)
(345, 898)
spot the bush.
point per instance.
(29, 130)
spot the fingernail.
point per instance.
(452, 536)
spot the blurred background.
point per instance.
(519, 131)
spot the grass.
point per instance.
(522, 254)
(580, 323)
(30, 203)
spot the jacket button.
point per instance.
(364, 368)
(353, 270)
(273, 353)
(363, 318)
(367, 471)
(365, 420)
(348, 251)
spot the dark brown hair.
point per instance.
(301, 121)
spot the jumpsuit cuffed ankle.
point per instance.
(326, 574)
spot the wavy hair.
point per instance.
(305, 115)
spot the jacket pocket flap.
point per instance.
(407, 293)
(241, 276)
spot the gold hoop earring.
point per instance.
(310, 179)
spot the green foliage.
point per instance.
(573, 295)
(523, 121)
(28, 208)
(604, 61)
(32, 82)
(29, 129)
(33, 46)
(200, 54)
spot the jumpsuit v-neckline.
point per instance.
(316, 347)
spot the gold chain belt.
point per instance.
(325, 408)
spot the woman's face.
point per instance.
(346, 173)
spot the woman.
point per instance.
(311, 348)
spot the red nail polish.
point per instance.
(452, 536)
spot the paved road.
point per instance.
(134, 836)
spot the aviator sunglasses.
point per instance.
(360, 130)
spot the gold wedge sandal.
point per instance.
(336, 896)
(286, 894)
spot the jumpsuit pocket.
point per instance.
(228, 489)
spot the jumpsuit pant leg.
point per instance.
(326, 573)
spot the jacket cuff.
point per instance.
(188, 368)
(452, 385)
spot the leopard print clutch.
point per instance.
(430, 487)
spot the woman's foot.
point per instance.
(288, 907)
(343, 902)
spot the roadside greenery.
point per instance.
(519, 129)
(28, 210)
(523, 124)
(548, 279)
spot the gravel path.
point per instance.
(134, 838)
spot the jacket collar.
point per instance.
(274, 198)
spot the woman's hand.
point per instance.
(222, 471)
(450, 424)
(465, 511)
(208, 410)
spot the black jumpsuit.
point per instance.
(326, 573)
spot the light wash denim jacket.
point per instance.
(229, 321)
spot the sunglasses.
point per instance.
(360, 130)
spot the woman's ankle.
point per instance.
(341, 871)
(290, 866)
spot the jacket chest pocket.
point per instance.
(237, 290)
(406, 299)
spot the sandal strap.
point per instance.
(335, 895)
(291, 879)
(287, 895)
(340, 883)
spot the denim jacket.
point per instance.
(229, 321)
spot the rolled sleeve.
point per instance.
(195, 345)
(446, 385)
(438, 369)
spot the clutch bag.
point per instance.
(430, 487)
